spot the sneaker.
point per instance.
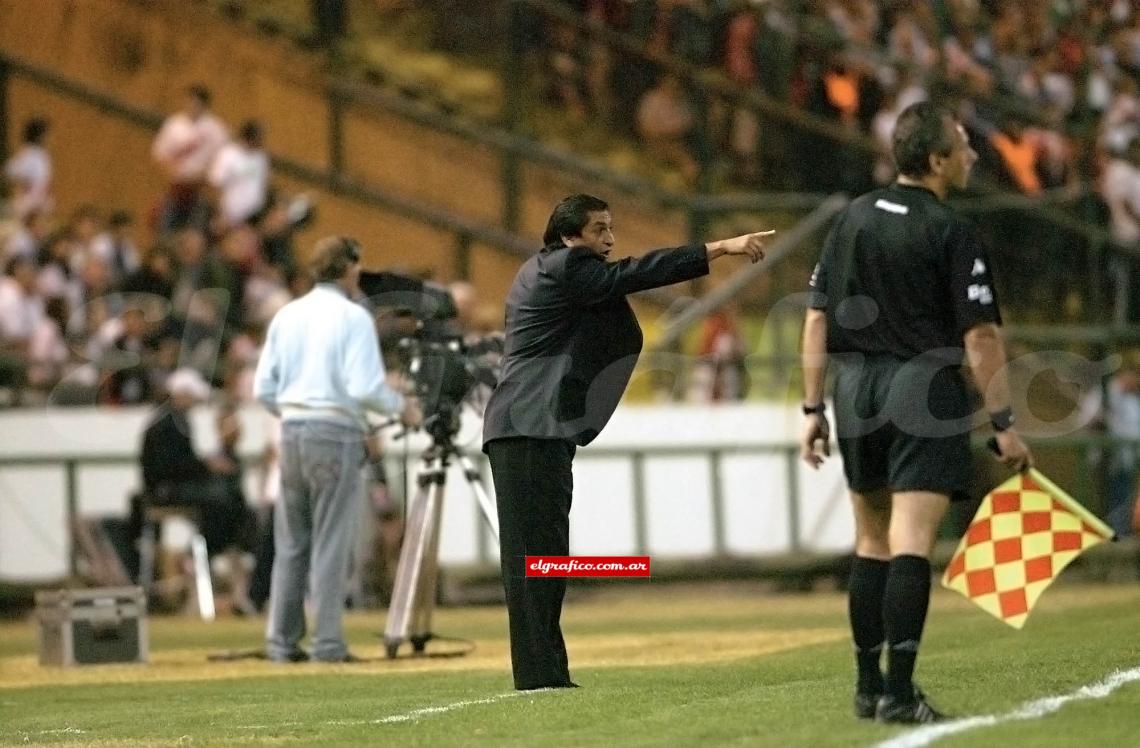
(865, 704)
(907, 711)
(297, 655)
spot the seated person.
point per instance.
(173, 475)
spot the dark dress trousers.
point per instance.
(572, 342)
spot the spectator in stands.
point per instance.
(48, 353)
(1118, 416)
(895, 100)
(184, 148)
(1018, 155)
(110, 243)
(720, 374)
(57, 276)
(124, 255)
(282, 220)
(126, 363)
(29, 171)
(21, 312)
(28, 239)
(1120, 188)
(174, 475)
(666, 124)
(1121, 121)
(155, 276)
(87, 235)
(741, 67)
(240, 174)
(198, 269)
(568, 71)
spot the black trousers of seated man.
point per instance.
(533, 487)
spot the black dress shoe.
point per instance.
(541, 686)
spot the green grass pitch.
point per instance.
(659, 665)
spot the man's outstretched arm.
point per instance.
(592, 280)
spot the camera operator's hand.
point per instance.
(373, 451)
(745, 244)
(413, 414)
(221, 465)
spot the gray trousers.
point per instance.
(314, 526)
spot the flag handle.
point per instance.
(1075, 506)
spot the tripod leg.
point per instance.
(408, 574)
(429, 572)
(486, 506)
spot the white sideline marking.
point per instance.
(1030, 710)
(427, 711)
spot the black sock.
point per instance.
(865, 611)
(905, 602)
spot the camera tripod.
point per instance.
(413, 597)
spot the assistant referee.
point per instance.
(902, 285)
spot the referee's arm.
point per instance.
(985, 352)
(814, 358)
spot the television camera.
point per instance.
(443, 365)
(445, 369)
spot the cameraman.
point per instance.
(572, 341)
(320, 370)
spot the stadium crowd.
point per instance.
(1048, 89)
(89, 318)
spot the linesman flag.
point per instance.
(1025, 532)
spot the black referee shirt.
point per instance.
(902, 274)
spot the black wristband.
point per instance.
(810, 410)
(1002, 420)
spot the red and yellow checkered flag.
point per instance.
(1025, 532)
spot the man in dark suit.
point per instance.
(572, 341)
(173, 475)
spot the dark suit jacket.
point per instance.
(572, 339)
(167, 455)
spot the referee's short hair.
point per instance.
(332, 257)
(921, 132)
(570, 217)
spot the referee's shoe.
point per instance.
(912, 710)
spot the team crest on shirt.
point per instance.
(979, 267)
(980, 293)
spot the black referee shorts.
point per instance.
(904, 425)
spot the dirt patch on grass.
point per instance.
(596, 650)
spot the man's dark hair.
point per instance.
(921, 132)
(35, 129)
(199, 92)
(251, 131)
(333, 256)
(570, 217)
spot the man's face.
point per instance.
(597, 234)
(960, 161)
